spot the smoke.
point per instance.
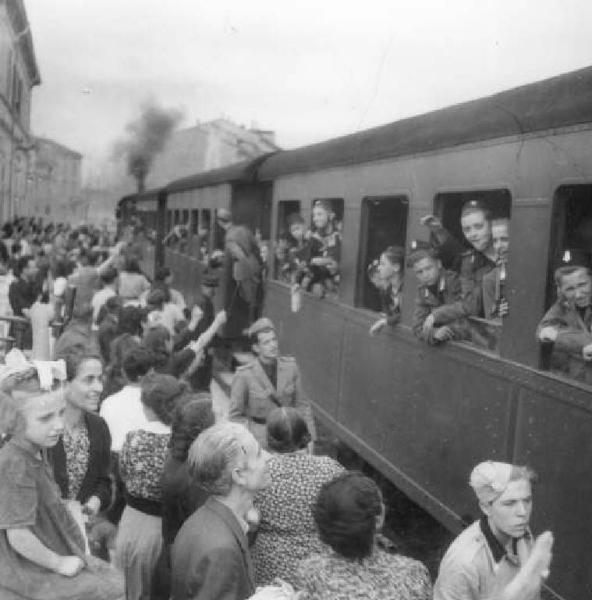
(146, 137)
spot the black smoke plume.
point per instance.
(147, 137)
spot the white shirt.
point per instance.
(99, 298)
(123, 412)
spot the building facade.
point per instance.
(18, 75)
(208, 146)
(54, 184)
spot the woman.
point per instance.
(184, 362)
(348, 513)
(181, 496)
(81, 458)
(324, 262)
(141, 462)
(132, 282)
(42, 551)
(390, 274)
(129, 331)
(286, 530)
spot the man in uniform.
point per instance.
(268, 382)
(488, 559)
(567, 324)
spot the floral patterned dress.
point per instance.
(287, 531)
(381, 576)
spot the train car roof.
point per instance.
(556, 102)
(244, 171)
(145, 195)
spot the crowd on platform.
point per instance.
(120, 480)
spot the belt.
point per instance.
(259, 420)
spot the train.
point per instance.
(421, 415)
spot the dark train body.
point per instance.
(424, 416)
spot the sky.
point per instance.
(309, 70)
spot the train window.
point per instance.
(205, 234)
(383, 228)
(286, 245)
(177, 216)
(169, 220)
(478, 251)
(325, 246)
(218, 236)
(568, 298)
(185, 218)
(194, 221)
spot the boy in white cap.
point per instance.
(484, 561)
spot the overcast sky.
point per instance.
(310, 70)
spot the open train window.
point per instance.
(205, 229)
(326, 226)
(488, 304)
(177, 217)
(169, 220)
(219, 234)
(571, 250)
(285, 262)
(383, 226)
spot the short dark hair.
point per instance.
(345, 514)
(473, 206)
(130, 320)
(161, 273)
(136, 363)
(75, 356)
(23, 263)
(395, 255)
(286, 430)
(132, 265)
(567, 270)
(155, 341)
(160, 393)
(193, 414)
(109, 275)
(420, 254)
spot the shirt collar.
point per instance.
(497, 550)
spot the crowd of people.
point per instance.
(121, 479)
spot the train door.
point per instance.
(383, 224)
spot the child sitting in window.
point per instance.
(439, 312)
(389, 277)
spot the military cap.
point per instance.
(223, 214)
(263, 324)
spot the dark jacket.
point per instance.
(97, 480)
(445, 303)
(574, 334)
(210, 557)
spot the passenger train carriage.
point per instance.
(424, 416)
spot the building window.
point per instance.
(474, 242)
(383, 233)
(569, 287)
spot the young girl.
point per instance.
(41, 546)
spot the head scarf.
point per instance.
(490, 479)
